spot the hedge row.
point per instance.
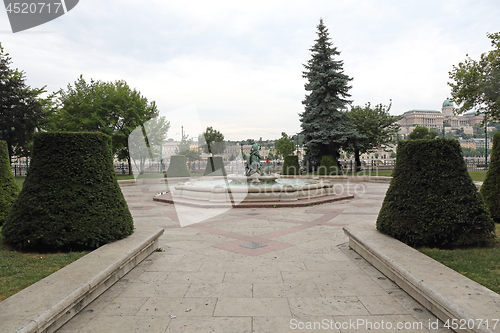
(8, 186)
(432, 201)
(291, 166)
(70, 198)
(490, 190)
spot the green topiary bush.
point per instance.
(328, 166)
(491, 185)
(70, 198)
(8, 186)
(177, 167)
(291, 166)
(215, 167)
(432, 200)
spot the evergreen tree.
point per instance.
(325, 126)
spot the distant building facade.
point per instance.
(438, 120)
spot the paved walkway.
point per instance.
(304, 278)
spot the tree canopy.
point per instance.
(112, 108)
(285, 145)
(422, 132)
(476, 83)
(324, 123)
(212, 141)
(21, 108)
(376, 126)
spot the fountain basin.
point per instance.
(222, 189)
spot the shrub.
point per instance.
(8, 186)
(432, 200)
(491, 185)
(328, 166)
(177, 167)
(215, 167)
(70, 198)
(291, 166)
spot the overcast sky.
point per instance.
(237, 66)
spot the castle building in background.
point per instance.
(437, 120)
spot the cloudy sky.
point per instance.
(237, 66)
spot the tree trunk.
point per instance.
(357, 160)
(129, 165)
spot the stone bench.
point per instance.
(49, 303)
(446, 293)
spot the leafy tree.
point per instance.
(476, 84)
(376, 125)
(285, 145)
(213, 141)
(184, 146)
(422, 132)
(192, 155)
(112, 108)
(145, 142)
(21, 108)
(325, 126)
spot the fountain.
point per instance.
(253, 187)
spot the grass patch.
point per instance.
(480, 264)
(19, 270)
(477, 176)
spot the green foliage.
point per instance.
(112, 108)
(8, 186)
(191, 155)
(490, 190)
(376, 125)
(291, 165)
(285, 145)
(212, 141)
(184, 146)
(70, 198)
(328, 166)
(476, 84)
(422, 132)
(215, 167)
(177, 167)
(432, 200)
(21, 109)
(325, 126)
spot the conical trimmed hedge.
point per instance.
(328, 166)
(432, 200)
(291, 166)
(215, 167)
(70, 199)
(8, 186)
(177, 167)
(491, 185)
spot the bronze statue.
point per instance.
(253, 165)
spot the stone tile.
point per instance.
(237, 290)
(382, 304)
(311, 276)
(383, 323)
(212, 324)
(120, 324)
(194, 277)
(179, 306)
(137, 290)
(253, 277)
(350, 288)
(124, 307)
(293, 324)
(152, 277)
(251, 307)
(331, 266)
(304, 289)
(326, 306)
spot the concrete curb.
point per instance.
(48, 304)
(449, 295)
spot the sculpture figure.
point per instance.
(253, 165)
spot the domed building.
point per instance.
(436, 120)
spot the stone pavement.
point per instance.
(304, 279)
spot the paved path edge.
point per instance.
(449, 295)
(51, 302)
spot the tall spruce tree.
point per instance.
(325, 126)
